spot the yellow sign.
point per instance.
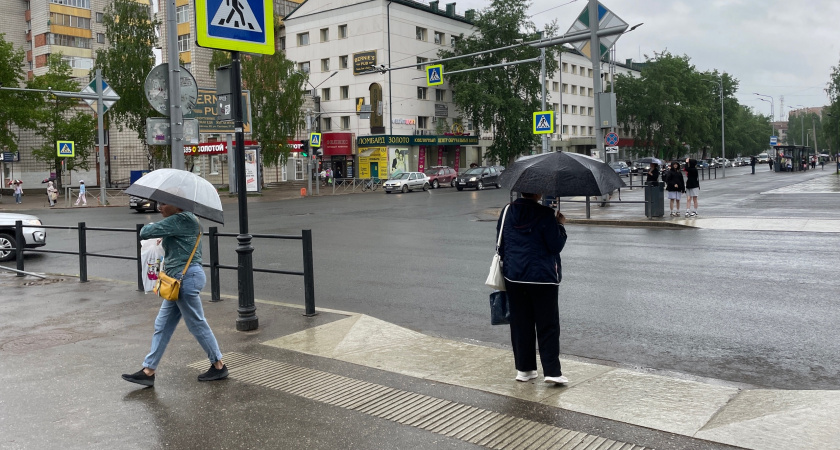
(434, 75)
(241, 26)
(544, 122)
(65, 149)
(315, 140)
(373, 163)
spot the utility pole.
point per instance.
(543, 81)
(595, 57)
(176, 115)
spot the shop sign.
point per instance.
(441, 110)
(337, 143)
(219, 148)
(206, 111)
(404, 121)
(364, 61)
(389, 139)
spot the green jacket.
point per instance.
(179, 232)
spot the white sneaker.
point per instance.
(526, 376)
(557, 380)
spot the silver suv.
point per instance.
(33, 234)
(407, 181)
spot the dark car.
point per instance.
(141, 204)
(441, 175)
(702, 164)
(478, 177)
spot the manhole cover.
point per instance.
(36, 342)
(43, 282)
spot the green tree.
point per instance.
(832, 116)
(62, 119)
(276, 101)
(14, 106)
(811, 122)
(503, 99)
(125, 62)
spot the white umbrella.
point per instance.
(182, 189)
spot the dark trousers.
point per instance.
(534, 317)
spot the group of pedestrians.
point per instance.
(677, 185)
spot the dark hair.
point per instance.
(529, 195)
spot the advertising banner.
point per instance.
(252, 181)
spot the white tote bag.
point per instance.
(496, 279)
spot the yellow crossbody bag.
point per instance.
(168, 287)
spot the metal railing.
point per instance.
(308, 272)
(113, 196)
(352, 184)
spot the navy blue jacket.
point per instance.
(531, 243)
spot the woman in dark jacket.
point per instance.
(675, 185)
(532, 238)
(692, 186)
(653, 174)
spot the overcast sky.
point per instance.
(773, 47)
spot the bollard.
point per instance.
(303, 192)
(308, 274)
(140, 269)
(20, 243)
(215, 285)
(588, 210)
(82, 253)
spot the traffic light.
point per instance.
(319, 151)
(304, 149)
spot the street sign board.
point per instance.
(107, 91)
(606, 19)
(315, 140)
(157, 131)
(65, 149)
(240, 26)
(434, 75)
(544, 122)
(610, 150)
(774, 140)
(11, 157)
(156, 87)
(365, 112)
(611, 139)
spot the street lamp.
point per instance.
(722, 139)
(772, 127)
(772, 106)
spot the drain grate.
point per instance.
(456, 420)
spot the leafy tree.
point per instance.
(501, 99)
(60, 119)
(810, 121)
(276, 101)
(832, 116)
(125, 62)
(14, 106)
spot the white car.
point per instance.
(33, 234)
(724, 162)
(407, 181)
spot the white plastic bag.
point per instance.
(151, 254)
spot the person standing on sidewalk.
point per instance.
(180, 231)
(753, 160)
(653, 174)
(770, 161)
(675, 185)
(82, 197)
(18, 192)
(692, 187)
(532, 238)
(52, 193)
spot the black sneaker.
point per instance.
(214, 374)
(140, 378)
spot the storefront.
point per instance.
(337, 154)
(382, 155)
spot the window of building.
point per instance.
(565, 109)
(565, 129)
(325, 65)
(344, 92)
(421, 34)
(302, 39)
(74, 3)
(440, 95)
(574, 69)
(69, 41)
(591, 111)
(182, 14)
(591, 131)
(345, 122)
(282, 42)
(555, 107)
(303, 67)
(325, 34)
(440, 38)
(184, 43)
(566, 67)
(422, 93)
(574, 130)
(555, 86)
(589, 73)
(77, 62)
(574, 109)
(342, 31)
(100, 17)
(327, 124)
(342, 61)
(69, 21)
(100, 38)
(574, 90)
(422, 122)
(565, 88)
(420, 61)
(453, 40)
(590, 92)
(325, 94)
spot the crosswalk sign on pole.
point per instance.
(315, 140)
(544, 122)
(65, 149)
(235, 25)
(434, 75)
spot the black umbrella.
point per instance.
(561, 174)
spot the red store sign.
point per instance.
(337, 143)
(217, 148)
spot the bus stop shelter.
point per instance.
(792, 158)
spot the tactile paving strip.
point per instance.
(474, 425)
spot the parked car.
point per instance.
(441, 175)
(406, 181)
(142, 205)
(713, 163)
(702, 164)
(724, 162)
(478, 177)
(621, 168)
(33, 234)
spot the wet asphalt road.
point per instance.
(748, 307)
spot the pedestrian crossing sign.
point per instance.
(65, 149)
(315, 140)
(239, 25)
(544, 122)
(434, 75)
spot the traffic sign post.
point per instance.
(544, 122)
(315, 140)
(611, 139)
(774, 141)
(434, 75)
(65, 149)
(243, 26)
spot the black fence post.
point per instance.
(140, 269)
(82, 253)
(20, 243)
(215, 285)
(308, 274)
(588, 210)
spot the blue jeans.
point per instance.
(17, 198)
(188, 306)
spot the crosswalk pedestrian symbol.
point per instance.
(315, 140)
(65, 149)
(236, 25)
(434, 75)
(544, 122)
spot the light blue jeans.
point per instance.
(189, 307)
